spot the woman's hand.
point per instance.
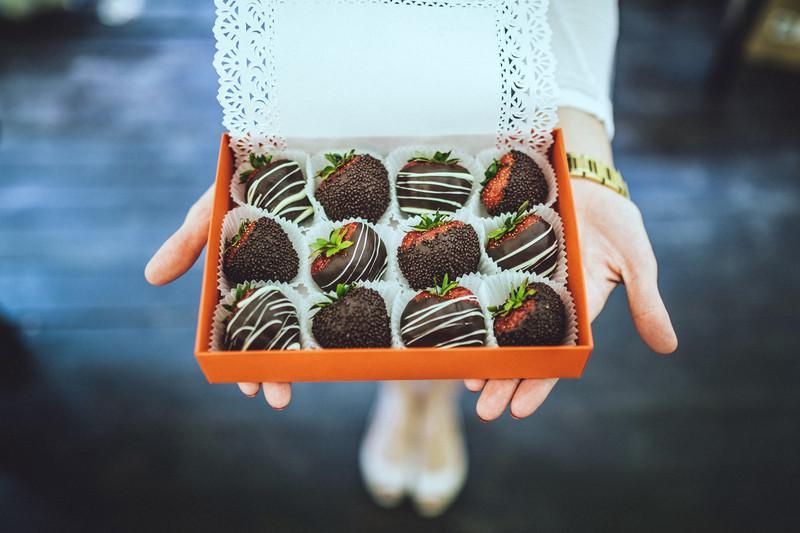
(178, 254)
(615, 249)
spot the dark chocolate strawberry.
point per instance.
(351, 253)
(524, 242)
(514, 179)
(533, 315)
(437, 246)
(260, 251)
(279, 186)
(353, 185)
(430, 184)
(445, 316)
(353, 317)
(261, 319)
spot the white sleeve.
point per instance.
(584, 41)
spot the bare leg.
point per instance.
(442, 454)
(387, 452)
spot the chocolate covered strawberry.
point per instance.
(353, 185)
(524, 242)
(513, 179)
(533, 315)
(430, 184)
(437, 246)
(261, 318)
(260, 251)
(352, 317)
(351, 253)
(445, 316)
(277, 185)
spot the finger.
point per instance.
(647, 308)
(181, 250)
(249, 389)
(530, 395)
(278, 395)
(475, 385)
(495, 398)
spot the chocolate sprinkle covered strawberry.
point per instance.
(514, 179)
(533, 315)
(260, 251)
(524, 242)
(437, 246)
(353, 185)
(351, 253)
(445, 316)
(353, 317)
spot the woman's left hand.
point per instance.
(615, 249)
(178, 254)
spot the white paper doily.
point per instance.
(246, 64)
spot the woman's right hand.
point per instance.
(178, 254)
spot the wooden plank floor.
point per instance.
(107, 135)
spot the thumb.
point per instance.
(647, 308)
(181, 250)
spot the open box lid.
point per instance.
(378, 73)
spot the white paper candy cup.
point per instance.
(322, 230)
(216, 343)
(230, 227)
(496, 289)
(318, 162)
(397, 159)
(237, 188)
(559, 275)
(475, 283)
(486, 158)
(388, 291)
(470, 281)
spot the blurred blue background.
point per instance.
(108, 132)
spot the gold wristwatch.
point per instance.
(584, 167)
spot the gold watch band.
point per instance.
(584, 167)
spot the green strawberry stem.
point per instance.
(241, 290)
(334, 244)
(491, 172)
(510, 223)
(443, 288)
(336, 161)
(516, 298)
(427, 222)
(439, 157)
(341, 291)
(238, 237)
(257, 162)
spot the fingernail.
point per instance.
(278, 408)
(515, 417)
(482, 420)
(251, 395)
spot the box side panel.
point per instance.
(566, 207)
(221, 204)
(379, 364)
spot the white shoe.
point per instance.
(386, 457)
(442, 463)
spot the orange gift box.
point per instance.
(393, 363)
